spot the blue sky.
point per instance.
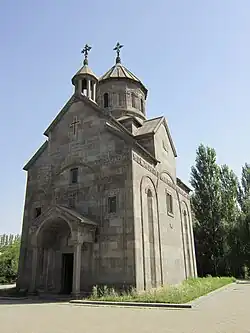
(193, 56)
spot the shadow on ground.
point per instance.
(16, 301)
(9, 295)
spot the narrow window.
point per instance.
(112, 204)
(84, 87)
(133, 100)
(74, 175)
(169, 203)
(120, 99)
(142, 106)
(106, 100)
(38, 211)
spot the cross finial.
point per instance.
(85, 51)
(117, 48)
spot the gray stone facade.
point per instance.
(103, 204)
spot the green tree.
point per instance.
(207, 207)
(229, 195)
(243, 225)
(229, 215)
(9, 255)
(244, 189)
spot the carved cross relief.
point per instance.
(75, 124)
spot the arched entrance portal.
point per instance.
(56, 257)
(57, 241)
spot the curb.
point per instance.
(198, 300)
(243, 282)
(133, 304)
(9, 298)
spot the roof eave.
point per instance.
(170, 137)
(60, 115)
(35, 156)
(183, 186)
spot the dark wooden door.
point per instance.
(67, 272)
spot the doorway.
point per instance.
(67, 272)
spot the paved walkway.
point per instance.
(227, 311)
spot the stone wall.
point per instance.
(104, 167)
(173, 241)
(120, 94)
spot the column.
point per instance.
(79, 87)
(77, 269)
(32, 288)
(89, 88)
(94, 91)
(45, 260)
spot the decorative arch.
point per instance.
(47, 219)
(151, 237)
(48, 241)
(151, 240)
(58, 230)
(168, 176)
(71, 165)
(188, 248)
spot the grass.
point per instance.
(187, 291)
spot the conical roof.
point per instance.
(118, 71)
(84, 70)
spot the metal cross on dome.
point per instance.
(117, 48)
(85, 51)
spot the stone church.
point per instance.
(103, 203)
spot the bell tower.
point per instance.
(85, 80)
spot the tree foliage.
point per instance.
(206, 204)
(221, 207)
(9, 255)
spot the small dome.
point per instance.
(118, 71)
(85, 70)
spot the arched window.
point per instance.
(74, 175)
(84, 87)
(133, 100)
(151, 237)
(106, 100)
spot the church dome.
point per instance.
(121, 92)
(118, 71)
